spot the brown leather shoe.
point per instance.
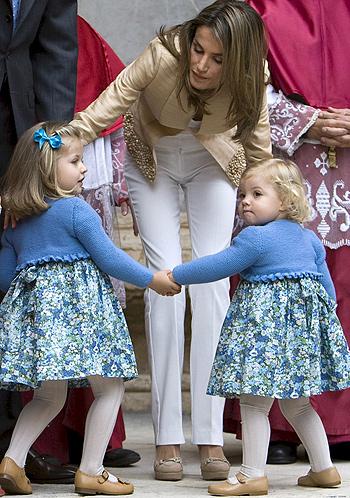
(327, 478)
(99, 485)
(168, 469)
(244, 487)
(13, 478)
(215, 469)
(45, 469)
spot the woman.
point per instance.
(194, 97)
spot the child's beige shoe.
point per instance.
(13, 478)
(86, 484)
(327, 478)
(244, 487)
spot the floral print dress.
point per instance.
(280, 338)
(61, 321)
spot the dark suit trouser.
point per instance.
(8, 137)
(10, 402)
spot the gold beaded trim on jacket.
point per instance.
(143, 156)
(236, 166)
(139, 151)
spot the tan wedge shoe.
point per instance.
(215, 469)
(168, 469)
(327, 478)
(86, 484)
(13, 478)
(244, 487)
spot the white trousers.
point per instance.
(210, 201)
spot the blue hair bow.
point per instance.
(40, 136)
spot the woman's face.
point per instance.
(206, 60)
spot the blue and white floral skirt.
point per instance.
(61, 320)
(280, 339)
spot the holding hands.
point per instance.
(163, 284)
(332, 128)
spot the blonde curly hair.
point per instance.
(288, 182)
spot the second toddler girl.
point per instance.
(281, 337)
(60, 319)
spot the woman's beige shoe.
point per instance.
(13, 478)
(168, 469)
(86, 484)
(244, 487)
(327, 478)
(215, 469)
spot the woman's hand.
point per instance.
(163, 285)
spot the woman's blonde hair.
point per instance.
(241, 32)
(32, 172)
(288, 182)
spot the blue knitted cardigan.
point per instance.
(69, 230)
(280, 249)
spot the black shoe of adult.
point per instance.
(282, 452)
(340, 451)
(120, 457)
(40, 470)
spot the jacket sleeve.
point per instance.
(119, 95)
(109, 258)
(54, 55)
(289, 121)
(8, 263)
(258, 146)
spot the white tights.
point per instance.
(47, 402)
(256, 432)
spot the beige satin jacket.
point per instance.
(145, 92)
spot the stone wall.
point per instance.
(128, 25)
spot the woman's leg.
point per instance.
(210, 202)
(157, 209)
(47, 402)
(308, 426)
(100, 421)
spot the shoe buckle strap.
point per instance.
(174, 459)
(123, 482)
(215, 459)
(241, 478)
(103, 477)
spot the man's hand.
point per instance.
(332, 128)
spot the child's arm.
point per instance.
(243, 252)
(109, 258)
(326, 279)
(8, 263)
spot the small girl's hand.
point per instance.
(162, 284)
